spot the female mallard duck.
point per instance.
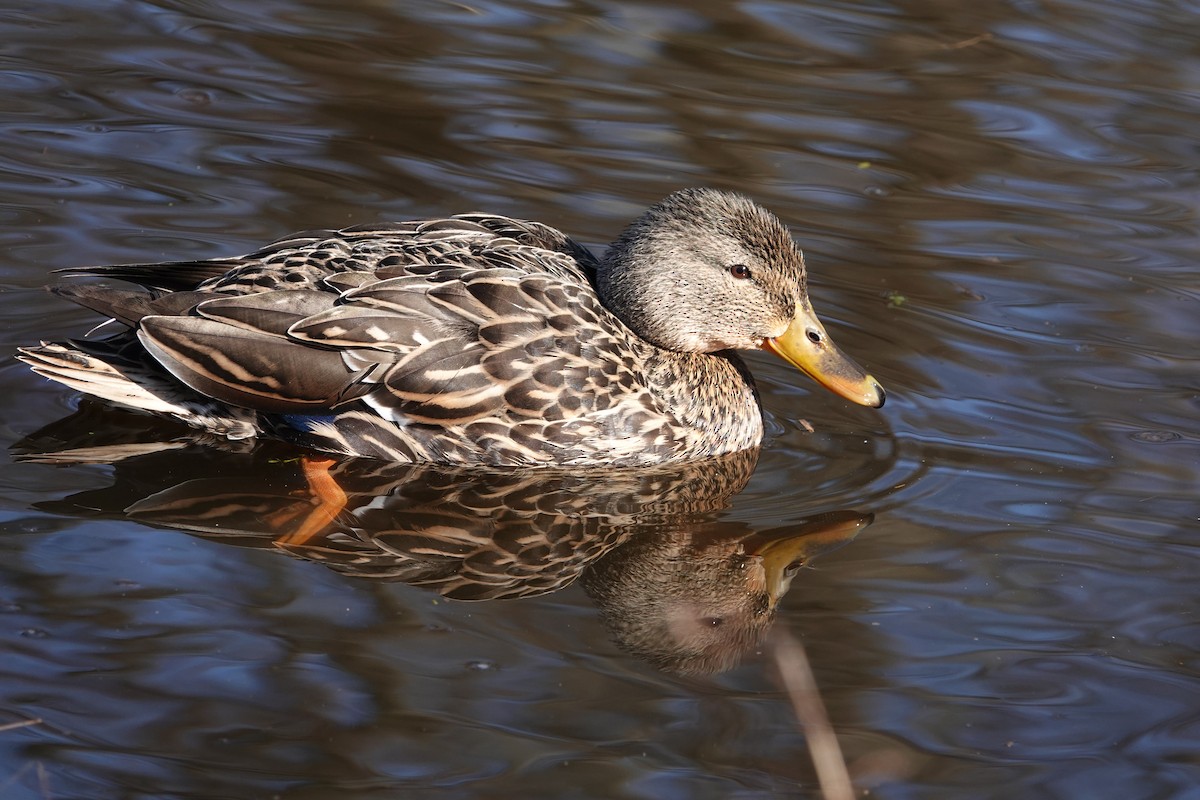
(475, 339)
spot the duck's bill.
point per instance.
(806, 346)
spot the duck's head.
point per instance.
(705, 270)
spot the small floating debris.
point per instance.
(1155, 437)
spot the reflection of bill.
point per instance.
(696, 601)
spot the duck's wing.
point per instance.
(440, 323)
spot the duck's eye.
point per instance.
(740, 271)
(814, 337)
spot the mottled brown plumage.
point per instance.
(474, 339)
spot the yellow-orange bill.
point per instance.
(806, 346)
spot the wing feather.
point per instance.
(244, 367)
(266, 312)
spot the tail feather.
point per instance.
(102, 370)
(171, 276)
(128, 306)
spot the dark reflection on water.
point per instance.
(198, 671)
(677, 586)
(998, 205)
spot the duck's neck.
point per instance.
(712, 394)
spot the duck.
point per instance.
(475, 339)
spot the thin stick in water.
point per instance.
(801, 686)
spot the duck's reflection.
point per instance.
(697, 598)
(678, 585)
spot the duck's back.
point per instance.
(471, 241)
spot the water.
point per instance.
(998, 203)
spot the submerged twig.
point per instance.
(25, 723)
(801, 686)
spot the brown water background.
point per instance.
(998, 202)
